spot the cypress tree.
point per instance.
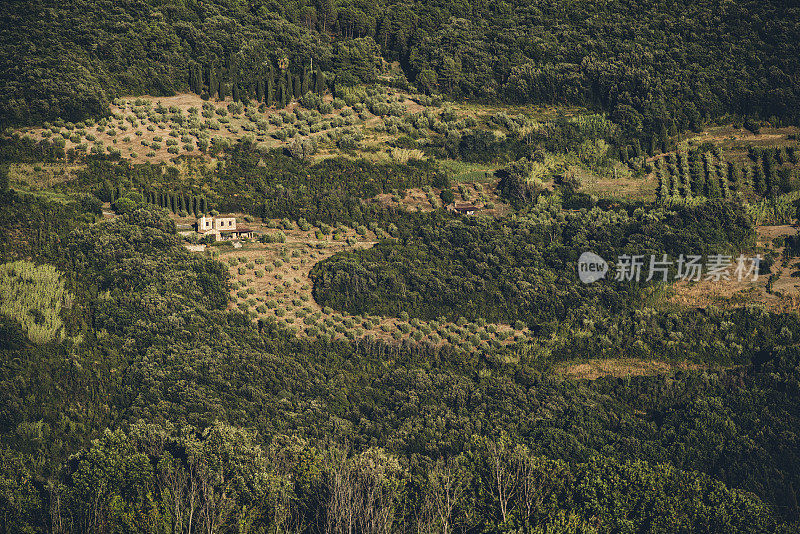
(297, 87)
(213, 82)
(270, 89)
(223, 90)
(769, 170)
(791, 155)
(319, 82)
(686, 180)
(282, 94)
(235, 91)
(203, 205)
(745, 182)
(288, 88)
(637, 147)
(733, 176)
(304, 85)
(259, 90)
(192, 81)
(759, 183)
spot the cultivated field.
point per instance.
(270, 281)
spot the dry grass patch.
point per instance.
(621, 368)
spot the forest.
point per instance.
(516, 270)
(220, 421)
(656, 69)
(401, 342)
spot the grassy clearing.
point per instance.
(778, 291)
(34, 296)
(620, 368)
(41, 175)
(462, 171)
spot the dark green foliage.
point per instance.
(484, 56)
(166, 369)
(34, 228)
(521, 269)
(259, 90)
(213, 82)
(235, 93)
(161, 385)
(289, 87)
(26, 150)
(319, 82)
(4, 180)
(269, 88)
(304, 85)
(283, 98)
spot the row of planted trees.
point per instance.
(178, 203)
(707, 174)
(271, 86)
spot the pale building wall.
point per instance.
(225, 223)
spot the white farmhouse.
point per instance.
(222, 228)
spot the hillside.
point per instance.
(395, 267)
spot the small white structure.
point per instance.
(222, 228)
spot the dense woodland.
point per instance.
(520, 269)
(266, 184)
(135, 396)
(218, 421)
(657, 68)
